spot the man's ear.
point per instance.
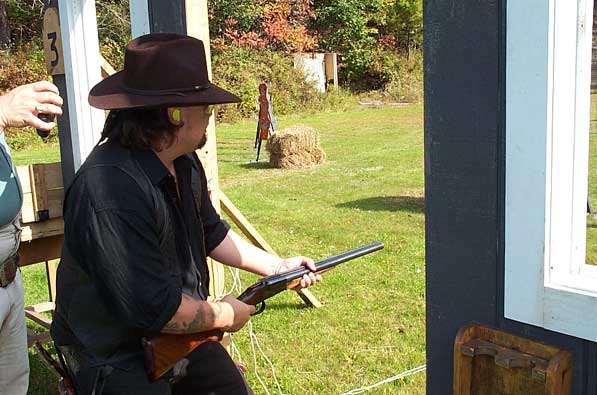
(174, 116)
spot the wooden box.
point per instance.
(43, 194)
(42, 191)
(491, 362)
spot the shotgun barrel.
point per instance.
(163, 351)
(272, 285)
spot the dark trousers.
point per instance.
(211, 371)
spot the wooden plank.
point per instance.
(33, 337)
(39, 194)
(52, 40)
(243, 224)
(38, 318)
(38, 230)
(40, 250)
(251, 233)
(23, 173)
(41, 307)
(107, 69)
(51, 268)
(42, 188)
(53, 174)
(197, 25)
(27, 215)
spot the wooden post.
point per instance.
(197, 25)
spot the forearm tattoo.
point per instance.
(202, 319)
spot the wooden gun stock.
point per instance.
(162, 352)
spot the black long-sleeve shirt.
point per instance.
(132, 246)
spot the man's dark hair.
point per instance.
(141, 129)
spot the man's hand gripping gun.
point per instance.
(162, 352)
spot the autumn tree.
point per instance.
(4, 26)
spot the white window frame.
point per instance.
(548, 66)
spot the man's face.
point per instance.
(193, 133)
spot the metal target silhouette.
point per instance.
(265, 120)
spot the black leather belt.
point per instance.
(8, 270)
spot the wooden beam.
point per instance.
(38, 318)
(40, 250)
(33, 337)
(107, 69)
(41, 307)
(251, 233)
(51, 268)
(243, 224)
(197, 25)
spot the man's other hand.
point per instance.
(296, 262)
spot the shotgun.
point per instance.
(163, 351)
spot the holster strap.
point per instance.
(8, 270)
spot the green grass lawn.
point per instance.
(372, 325)
(47, 154)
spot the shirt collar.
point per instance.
(154, 168)
(151, 165)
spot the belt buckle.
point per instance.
(8, 270)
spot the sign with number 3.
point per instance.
(53, 42)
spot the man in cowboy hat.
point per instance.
(139, 226)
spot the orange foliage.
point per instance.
(285, 25)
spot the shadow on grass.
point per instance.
(285, 306)
(256, 165)
(388, 203)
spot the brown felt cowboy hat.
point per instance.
(160, 70)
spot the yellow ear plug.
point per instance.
(176, 115)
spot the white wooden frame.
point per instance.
(82, 67)
(548, 60)
(78, 25)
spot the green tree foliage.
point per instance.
(248, 15)
(405, 23)
(25, 20)
(370, 36)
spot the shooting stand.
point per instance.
(488, 361)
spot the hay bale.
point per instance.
(296, 147)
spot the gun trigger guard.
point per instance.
(259, 309)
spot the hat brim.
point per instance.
(111, 94)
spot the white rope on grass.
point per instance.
(271, 365)
(237, 286)
(255, 343)
(388, 380)
(251, 338)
